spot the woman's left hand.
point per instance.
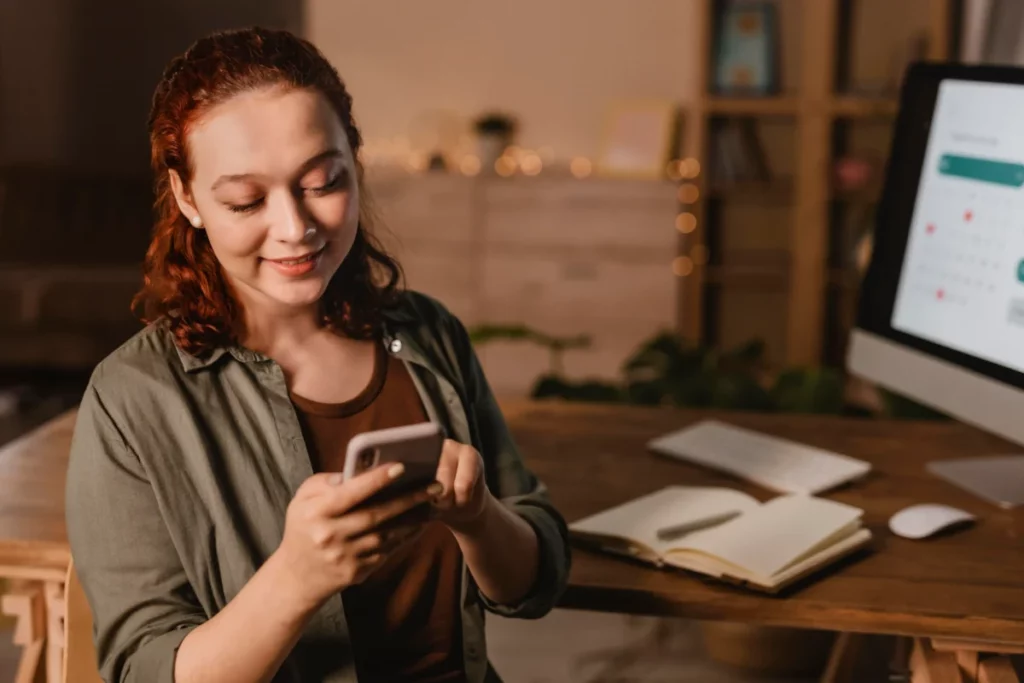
(465, 496)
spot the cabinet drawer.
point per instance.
(425, 208)
(445, 274)
(519, 287)
(579, 215)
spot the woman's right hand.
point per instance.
(329, 545)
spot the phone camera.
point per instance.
(367, 459)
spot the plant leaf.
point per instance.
(481, 334)
(738, 391)
(815, 390)
(590, 391)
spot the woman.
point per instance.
(210, 529)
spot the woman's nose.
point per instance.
(290, 222)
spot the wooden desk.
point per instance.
(959, 595)
(34, 552)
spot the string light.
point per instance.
(581, 167)
(674, 169)
(688, 193)
(682, 266)
(505, 166)
(418, 162)
(531, 163)
(689, 168)
(470, 165)
(686, 223)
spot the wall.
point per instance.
(556, 65)
(76, 76)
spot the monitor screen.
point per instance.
(940, 316)
(961, 283)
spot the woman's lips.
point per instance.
(295, 267)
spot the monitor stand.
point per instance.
(998, 479)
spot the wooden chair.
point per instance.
(79, 652)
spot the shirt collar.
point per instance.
(397, 343)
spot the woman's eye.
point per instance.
(330, 186)
(246, 208)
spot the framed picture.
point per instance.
(746, 52)
(638, 139)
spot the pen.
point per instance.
(676, 530)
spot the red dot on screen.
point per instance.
(940, 294)
(968, 215)
(931, 228)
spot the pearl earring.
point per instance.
(197, 222)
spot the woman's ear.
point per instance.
(184, 200)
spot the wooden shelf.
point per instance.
(844, 278)
(776, 189)
(746, 275)
(751, 106)
(856, 106)
(773, 274)
(851, 106)
(809, 285)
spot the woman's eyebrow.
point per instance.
(310, 163)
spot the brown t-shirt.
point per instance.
(404, 620)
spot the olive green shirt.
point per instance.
(182, 468)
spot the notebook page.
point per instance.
(640, 519)
(781, 532)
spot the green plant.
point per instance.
(902, 408)
(588, 391)
(666, 370)
(556, 346)
(811, 390)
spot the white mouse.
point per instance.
(921, 521)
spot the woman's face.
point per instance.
(274, 183)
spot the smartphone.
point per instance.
(417, 446)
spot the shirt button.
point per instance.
(395, 346)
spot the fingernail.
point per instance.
(335, 479)
(396, 470)
(435, 488)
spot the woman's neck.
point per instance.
(281, 332)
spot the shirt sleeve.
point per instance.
(141, 600)
(517, 487)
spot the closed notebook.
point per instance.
(766, 547)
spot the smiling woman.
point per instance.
(269, 173)
(213, 537)
(281, 229)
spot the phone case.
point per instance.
(416, 446)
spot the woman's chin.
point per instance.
(297, 294)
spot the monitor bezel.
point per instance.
(896, 206)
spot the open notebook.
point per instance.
(766, 547)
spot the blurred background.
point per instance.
(664, 202)
(657, 202)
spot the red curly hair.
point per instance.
(183, 283)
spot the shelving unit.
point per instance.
(819, 293)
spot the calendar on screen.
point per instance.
(962, 281)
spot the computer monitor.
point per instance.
(941, 311)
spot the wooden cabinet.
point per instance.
(563, 255)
